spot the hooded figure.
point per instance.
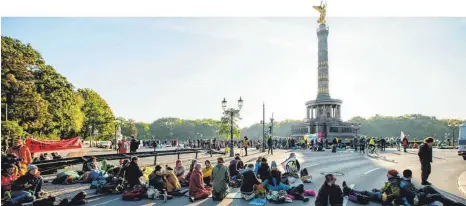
(172, 181)
(196, 185)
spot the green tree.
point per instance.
(128, 127)
(143, 130)
(226, 120)
(19, 94)
(99, 119)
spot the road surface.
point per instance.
(358, 170)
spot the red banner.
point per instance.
(51, 145)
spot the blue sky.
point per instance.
(147, 68)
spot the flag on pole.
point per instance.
(402, 135)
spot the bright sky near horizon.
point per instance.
(147, 68)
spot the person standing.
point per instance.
(425, 156)
(405, 143)
(134, 145)
(398, 144)
(245, 145)
(21, 151)
(362, 145)
(355, 142)
(270, 146)
(123, 146)
(383, 142)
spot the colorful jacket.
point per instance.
(392, 187)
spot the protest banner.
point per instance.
(35, 145)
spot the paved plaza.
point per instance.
(360, 171)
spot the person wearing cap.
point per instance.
(28, 185)
(21, 151)
(424, 196)
(425, 156)
(387, 194)
(220, 180)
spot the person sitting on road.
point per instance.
(28, 187)
(179, 171)
(257, 165)
(249, 181)
(156, 179)
(239, 162)
(220, 180)
(171, 181)
(297, 186)
(389, 192)
(191, 168)
(207, 173)
(233, 169)
(291, 162)
(264, 170)
(412, 196)
(329, 193)
(274, 181)
(197, 189)
(9, 175)
(133, 173)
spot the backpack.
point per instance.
(134, 194)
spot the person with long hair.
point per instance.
(133, 172)
(274, 180)
(329, 193)
(207, 173)
(191, 168)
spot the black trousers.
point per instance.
(425, 168)
(270, 151)
(431, 195)
(246, 151)
(361, 148)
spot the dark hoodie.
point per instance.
(425, 153)
(133, 173)
(332, 195)
(408, 191)
(264, 171)
(233, 169)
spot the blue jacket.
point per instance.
(408, 192)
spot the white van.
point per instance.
(462, 141)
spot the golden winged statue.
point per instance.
(323, 10)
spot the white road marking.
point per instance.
(103, 203)
(345, 200)
(371, 170)
(312, 165)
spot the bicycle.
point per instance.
(373, 150)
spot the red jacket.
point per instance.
(21, 152)
(7, 181)
(196, 183)
(123, 146)
(405, 142)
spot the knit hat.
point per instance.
(273, 164)
(31, 167)
(392, 172)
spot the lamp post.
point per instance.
(453, 127)
(263, 127)
(356, 128)
(231, 112)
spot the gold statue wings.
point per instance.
(322, 10)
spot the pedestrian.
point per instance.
(123, 147)
(246, 145)
(425, 156)
(398, 144)
(134, 145)
(383, 142)
(362, 145)
(270, 146)
(355, 142)
(405, 143)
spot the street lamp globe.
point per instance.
(224, 103)
(240, 103)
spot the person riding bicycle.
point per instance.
(372, 144)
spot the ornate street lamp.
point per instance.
(231, 112)
(356, 128)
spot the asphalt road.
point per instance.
(358, 170)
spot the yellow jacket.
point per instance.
(372, 141)
(207, 172)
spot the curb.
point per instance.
(462, 183)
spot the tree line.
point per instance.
(40, 102)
